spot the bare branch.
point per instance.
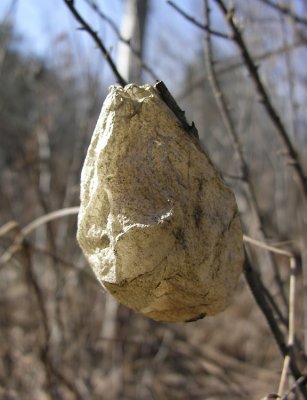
(286, 11)
(197, 23)
(220, 98)
(222, 69)
(264, 97)
(263, 56)
(230, 129)
(10, 10)
(97, 40)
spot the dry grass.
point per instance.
(229, 356)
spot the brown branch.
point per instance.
(263, 56)
(264, 96)
(85, 273)
(33, 283)
(112, 24)
(222, 69)
(230, 129)
(292, 340)
(286, 11)
(252, 278)
(97, 40)
(220, 98)
(197, 23)
(50, 369)
(256, 286)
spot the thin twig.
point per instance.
(291, 331)
(302, 381)
(293, 119)
(7, 227)
(8, 13)
(85, 273)
(261, 57)
(225, 68)
(197, 23)
(51, 370)
(10, 252)
(286, 11)
(275, 307)
(33, 283)
(25, 231)
(17, 245)
(97, 40)
(112, 24)
(276, 250)
(264, 96)
(266, 246)
(220, 98)
(256, 285)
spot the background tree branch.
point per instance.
(85, 26)
(264, 97)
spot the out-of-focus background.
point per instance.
(61, 335)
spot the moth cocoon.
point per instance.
(157, 224)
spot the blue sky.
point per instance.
(49, 30)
